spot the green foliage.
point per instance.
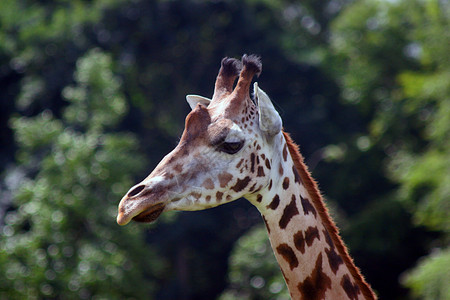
(363, 86)
(61, 240)
(430, 280)
(94, 115)
(425, 186)
(397, 72)
(425, 174)
(254, 272)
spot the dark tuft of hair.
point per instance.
(252, 63)
(231, 66)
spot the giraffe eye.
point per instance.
(231, 147)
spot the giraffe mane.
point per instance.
(314, 192)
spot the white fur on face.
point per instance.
(235, 135)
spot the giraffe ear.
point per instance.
(269, 119)
(194, 99)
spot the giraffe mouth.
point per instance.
(150, 214)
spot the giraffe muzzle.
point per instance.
(145, 201)
(142, 213)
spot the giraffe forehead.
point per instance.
(217, 123)
(224, 130)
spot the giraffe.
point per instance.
(234, 146)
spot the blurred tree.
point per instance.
(40, 41)
(429, 279)
(59, 239)
(254, 272)
(424, 173)
(397, 73)
(351, 79)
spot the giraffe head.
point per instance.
(224, 152)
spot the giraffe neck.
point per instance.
(311, 255)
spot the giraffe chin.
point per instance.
(150, 214)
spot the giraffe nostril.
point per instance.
(136, 190)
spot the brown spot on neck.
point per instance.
(328, 239)
(259, 198)
(285, 152)
(296, 175)
(308, 207)
(275, 202)
(267, 163)
(299, 241)
(334, 260)
(315, 285)
(351, 289)
(288, 254)
(286, 183)
(280, 169)
(289, 211)
(310, 234)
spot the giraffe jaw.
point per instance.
(151, 214)
(147, 215)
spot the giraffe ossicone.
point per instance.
(233, 146)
